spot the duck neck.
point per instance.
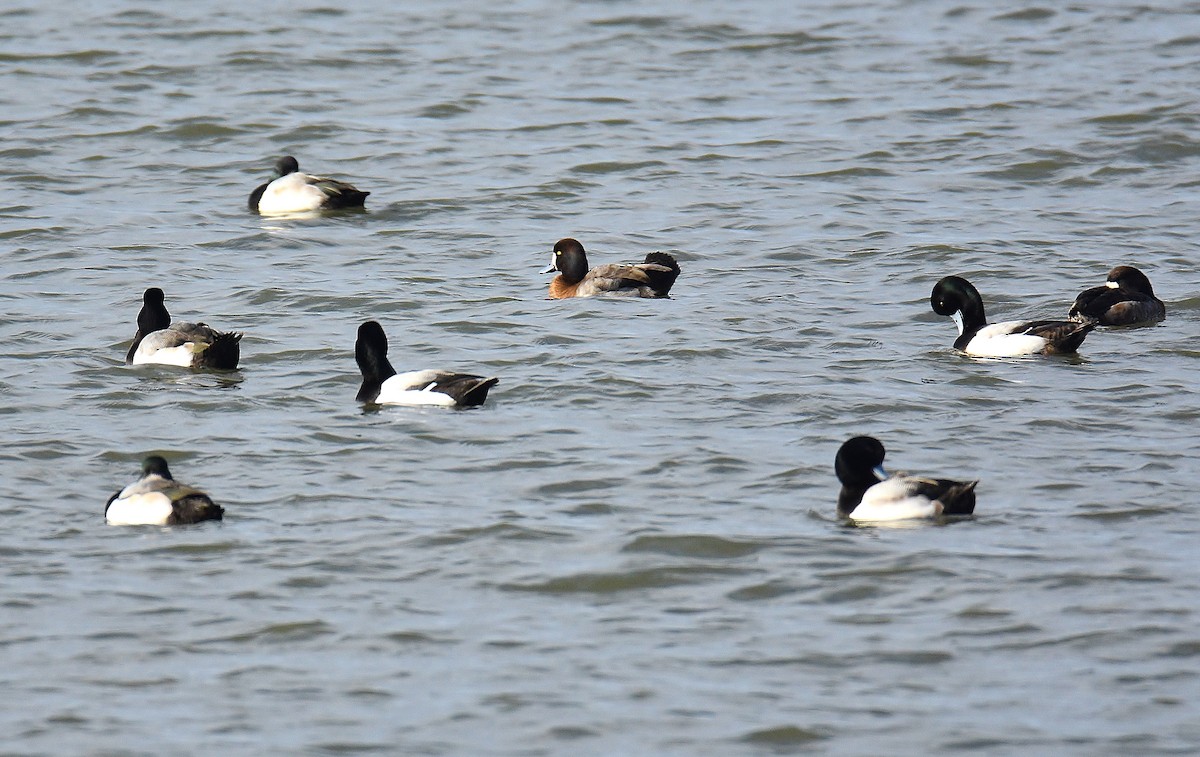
(375, 369)
(153, 317)
(969, 319)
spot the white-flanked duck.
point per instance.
(295, 192)
(870, 494)
(652, 278)
(1125, 299)
(956, 297)
(187, 345)
(157, 499)
(381, 384)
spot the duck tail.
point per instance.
(339, 194)
(477, 393)
(195, 508)
(351, 198)
(1070, 340)
(224, 351)
(661, 280)
(959, 499)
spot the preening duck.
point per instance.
(653, 278)
(1127, 298)
(956, 297)
(870, 494)
(381, 384)
(295, 192)
(156, 499)
(188, 345)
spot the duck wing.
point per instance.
(956, 497)
(219, 350)
(1091, 303)
(1060, 336)
(169, 338)
(612, 278)
(1116, 307)
(467, 390)
(338, 194)
(902, 497)
(190, 505)
(461, 388)
(647, 279)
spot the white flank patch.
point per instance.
(149, 509)
(413, 388)
(181, 356)
(290, 194)
(998, 340)
(890, 500)
(416, 397)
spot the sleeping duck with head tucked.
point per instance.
(1127, 298)
(296, 192)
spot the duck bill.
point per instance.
(880, 473)
(549, 269)
(957, 317)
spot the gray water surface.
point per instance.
(632, 548)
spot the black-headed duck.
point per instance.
(157, 499)
(296, 192)
(870, 494)
(187, 345)
(1127, 298)
(956, 297)
(381, 384)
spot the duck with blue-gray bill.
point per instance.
(954, 296)
(870, 494)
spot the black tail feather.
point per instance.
(347, 198)
(1064, 336)
(661, 281)
(470, 394)
(195, 508)
(958, 498)
(224, 351)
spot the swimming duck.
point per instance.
(1126, 299)
(383, 386)
(956, 297)
(180, 343)
(295, 192)
(653, 278)
(156, 499)
(187, 345)
(870, 494)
